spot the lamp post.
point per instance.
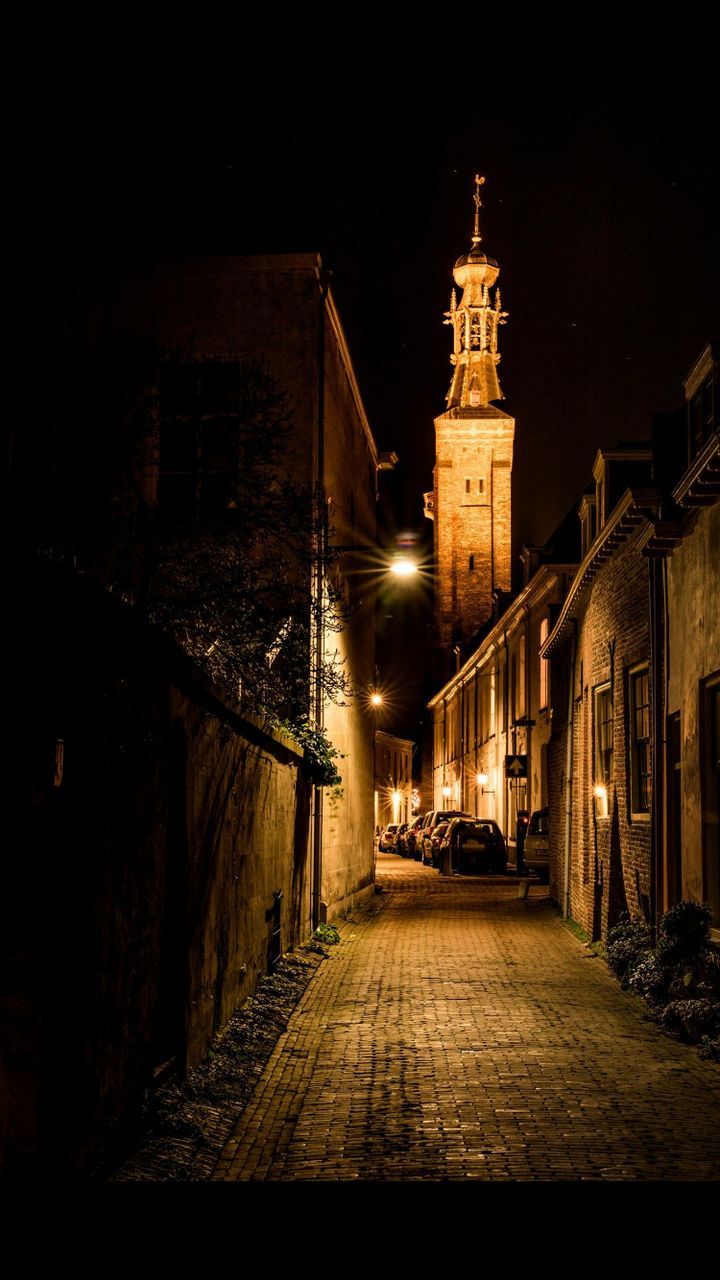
(376, 700)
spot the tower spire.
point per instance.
(476, 238)
(471, 500)
(475, 319)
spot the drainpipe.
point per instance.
(656, 582)
(462, 744)
(506, 727)
(319, 568)
(569, 765)
(528, 711)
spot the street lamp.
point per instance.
(403, 567)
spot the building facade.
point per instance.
(393, 778)
(470, 502)
(600, 754)
(689, 728)
(176, 842)
(499, 705)
(635, 661)
(202, 316)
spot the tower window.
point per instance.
(481, 486)
(468, 485)
(471, 563)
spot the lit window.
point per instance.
(640, 753)
(603, 735)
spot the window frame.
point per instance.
(601, 777)
(639, 748)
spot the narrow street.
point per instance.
(458, 1032)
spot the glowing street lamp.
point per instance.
(447, 792)
(481, 779)
(403, 567)
(376, 699)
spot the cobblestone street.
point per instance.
(458, 1032)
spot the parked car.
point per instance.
(385, 844)
(537, 844)
(410, 847)
(432, 820)
(436, 844)
(397, 846)
(474, 845)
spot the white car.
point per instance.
(386, 842)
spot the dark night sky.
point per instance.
(601, 211)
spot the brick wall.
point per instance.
(609, 855)
(471, 447)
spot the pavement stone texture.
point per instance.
(458, 1032)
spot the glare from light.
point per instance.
(481, 779)
(403, 567)
(376, 699)
(446, 792)
(600, 791)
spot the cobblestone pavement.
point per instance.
(459, 1032)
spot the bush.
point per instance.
(627, 942)
(710, 1048)
(680, 978)
(692, 1019)
(648, 979)
(683, 933)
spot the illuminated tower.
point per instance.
(470, 502)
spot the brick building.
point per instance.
(688, 728)
(199, 318)
(635, 663)
(600, 753)
(174, 842)
(500, 702)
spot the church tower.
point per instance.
(470, 501)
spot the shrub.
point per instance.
(648, 979)
(627, 942)
(710, 1048)
(683, 933)
(692, 1019)
(328, 934)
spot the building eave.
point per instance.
(339, 332)
(700, 485)
(635, 508)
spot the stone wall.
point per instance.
(152, 867)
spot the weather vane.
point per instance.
(478, 206)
